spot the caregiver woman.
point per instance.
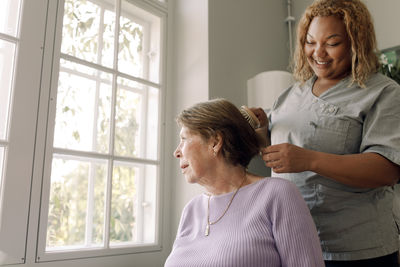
(336, 134)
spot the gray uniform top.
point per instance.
(353, 223)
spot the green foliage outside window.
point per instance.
(68, 203)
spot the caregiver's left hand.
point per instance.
(286, 158)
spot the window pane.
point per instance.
(77, 203)
(83, 108)
(130, 56)
(148, 204)
(7, 50)
(139, 43)
(107, 56)
(152, 121)
(136, 120)
(128, 118)
(133, 204)
(9, 15)
(88, 31)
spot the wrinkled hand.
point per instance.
(286, 158)
(261, 116)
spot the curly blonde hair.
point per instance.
(360, 29)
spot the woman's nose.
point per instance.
(320, 51)
(177, 152)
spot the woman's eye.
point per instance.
(309, 42)
(335, 44)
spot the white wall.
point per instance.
(187, 84)
(386, 20)
(245, 38)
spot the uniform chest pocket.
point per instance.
(330, 134)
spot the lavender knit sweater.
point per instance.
(268, 224)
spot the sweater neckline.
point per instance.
(229, 194)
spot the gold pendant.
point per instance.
(207, 230)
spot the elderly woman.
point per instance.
(242, 219)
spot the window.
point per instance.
(21, 51)
(9, 21)
(10, 49)
(81, 93)
(102, 164)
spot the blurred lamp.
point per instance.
(264, 88)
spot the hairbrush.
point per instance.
(250, 117)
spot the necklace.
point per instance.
(207, 232)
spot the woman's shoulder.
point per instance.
(274, 192)
(378, 80)
(292, 93)
(385, 90)
(194, 203)
(276, 186)
(276, 181)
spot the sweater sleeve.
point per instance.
(293, 228)
(180, 226)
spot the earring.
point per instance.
(215, 153)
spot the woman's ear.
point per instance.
(217, 142)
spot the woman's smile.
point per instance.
(327, 48)
(321, 62)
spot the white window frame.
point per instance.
(22, 184)
(19, 157)
(162, 4)
(53, 60)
